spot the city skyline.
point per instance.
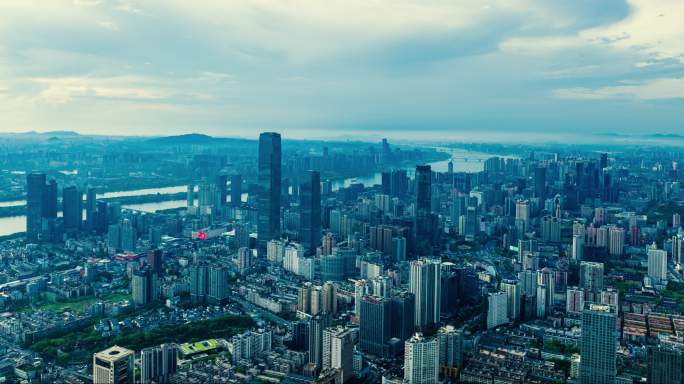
(348, 192)
(404, 70)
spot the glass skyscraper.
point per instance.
(269, 182)
(310, 211)
(35, 189)
(599, 345)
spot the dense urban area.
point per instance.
(198, 259)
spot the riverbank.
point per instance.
(20, 210)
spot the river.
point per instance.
(464, 161)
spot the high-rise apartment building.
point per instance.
(144, 287)
(421, 360)
(317, 324)
(338, 351)
(425, 284)
(497, 309)
(450, 347)
(591, 276)
(157, 364)
(657, 265)
(512, 290)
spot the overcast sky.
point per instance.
(334, 68)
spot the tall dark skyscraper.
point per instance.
(603, 161)
(91, 208)
(310, 211)
(101, 216)
(403, 315)
(72, 208)
(235, 190)
(540, 183)
(423, 188)
(666, 364)
(398, 183)
(269, 181)
(599, 345)
(50, 200)
(375, 326)
(221, 189)
(35, 188)
(423, 227)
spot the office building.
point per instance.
(221, 190)
(72, 208)
(598, 347)
(403, 311)
(236, 190)
(114, 366)
(540, 183)
(91, 208)
(666, 363)
(374, 325)
(190, 196)
(310, 211)
(423, 227)
(269, 189)
(35, 188)
(155, 260)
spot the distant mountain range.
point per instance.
(190, 138)
(43, 134)
(194, 139)
(673, 136)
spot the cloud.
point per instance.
(356, 64)
(656, 89)
(108, 25)
(66, 89)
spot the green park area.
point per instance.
(79, 345)
(75, 305)
(675, 291)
